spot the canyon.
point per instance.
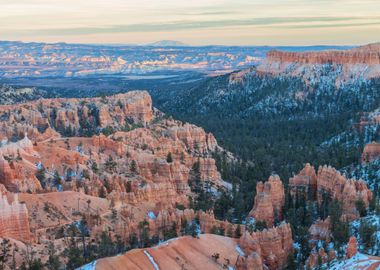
(117, 164)
(114, 168)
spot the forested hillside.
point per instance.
(281, 122)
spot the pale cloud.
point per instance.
(193, 21)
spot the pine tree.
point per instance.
(169, 158)
(5, 249)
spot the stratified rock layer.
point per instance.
(14, 220)
(348, 65)
(369, 55)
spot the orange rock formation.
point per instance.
(269, 201)
(272, 246)
(331, 182)
(351, 247)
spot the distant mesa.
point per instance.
(167, 43)
(368, 54)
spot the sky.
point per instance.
(194, 22)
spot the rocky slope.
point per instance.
(261, 250)
(182, 253)
(42, 151)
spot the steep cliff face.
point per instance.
(269, 201)
(361, 62)
(369, 55)
(331, 182)
(14, 220)
(273, 246)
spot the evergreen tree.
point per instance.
(169, 158)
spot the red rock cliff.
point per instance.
(369, 55)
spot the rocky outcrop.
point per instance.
(14, 220)
(320, 230)
(319, 257)
(371, 152)
(194, 138)
(17, 176)
(305, 181)
(252, 261)
(273, 246)
(269, 201)
(352, 248)
(333, 184)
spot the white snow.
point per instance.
(373, 220)
(165, 243)
(239, 250)
(151, 215)
(90, 266)
(155, 265)
(359, 261)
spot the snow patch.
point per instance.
(239, 250)
(359, 261)
(90, 266)
(151, 215)
(155, 265)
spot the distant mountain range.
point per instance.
(41, 60)
(167, 43)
